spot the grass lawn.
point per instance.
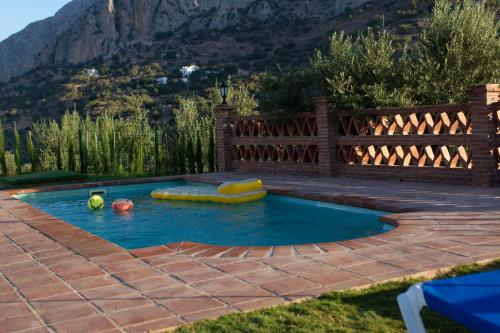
(370, 310)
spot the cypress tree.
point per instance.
(167, 153)
(211, 152)
(112, 146)
(181, 155)
(157, 151)
(190, 156)
(71, 157)
(17, 156)
(106, 153)
(3, 163)
(58, 154)
(199, 154)
(31, 151)
(80, 149)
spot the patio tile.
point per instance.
(220, 284)
(214, 251)
(373, 268)
(352, 283)
(151, 251)
(29, 274)
(93, 282)
(49, 290)
(200, 248)
(156, 282)
(240, 267)
(259, 303)
(343, 260)
(354, 244)
(56, 303)
(9, 297)
(280, 251)
(162, 324)
(288, 285)
(182, 266)
(124, 266)
(307, 249)
(13, 259)
(180, 291)
(164, 259)
(76, 311)
(306, 293)
(112, 258)
(140, 315)
(92, 324)
(109, 292)
(241, 293)
(193, 276)
(113, 305)
(75, 270)
(59, 259)
(23, 322)
(259, 252)
(36, 280)
(397, 274)
(229, 279)
(13, 309)
(196, 304)
(138, 274)
(439, 244)
(263, 275)
(331, 247)
(236, 252)
(209, 314)
(280, 262)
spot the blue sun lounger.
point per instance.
(471, 300)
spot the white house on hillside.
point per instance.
(162, 80)
(188, 70)
(92, 72)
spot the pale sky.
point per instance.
(17, 14)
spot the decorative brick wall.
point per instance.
(442, 143)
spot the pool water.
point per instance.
(276, 220)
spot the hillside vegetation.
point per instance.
(240, 50)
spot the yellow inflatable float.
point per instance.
(228, 193)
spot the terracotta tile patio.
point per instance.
(55, 277)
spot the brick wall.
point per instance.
(457, 144)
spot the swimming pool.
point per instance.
(276, 220)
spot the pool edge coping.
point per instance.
(198, 250)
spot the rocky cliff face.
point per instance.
(86, 29)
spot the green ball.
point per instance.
(95, 202)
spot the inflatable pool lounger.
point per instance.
(229, 193)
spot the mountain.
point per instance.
(84, 30)
(44, 69)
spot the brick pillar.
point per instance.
(223, 117)
(326, 138)
(483, 104)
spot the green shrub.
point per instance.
(31, 151)
(199, 154)
(3, 164)
(360, 72)
(211, 152)
(42, 177)
(286, 93)
(459, 47)
(17, 154)
(405, 28)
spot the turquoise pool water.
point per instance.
(276, 220)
